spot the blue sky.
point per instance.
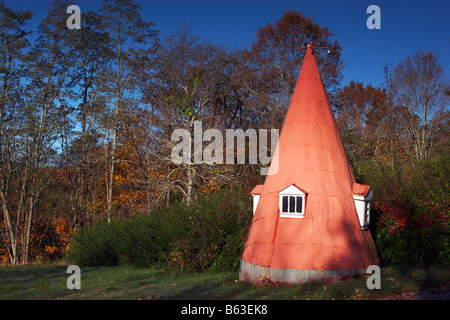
(405, 25)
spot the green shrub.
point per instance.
(209, 229)
(207, 235)
(94, 246)
(412, 246)
(410, 209)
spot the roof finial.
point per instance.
(310, 45)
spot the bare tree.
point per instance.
(419, 84)
(46, 109)
(127, 32)
(36, 115)
(183, 91)
(13, 42)
(91, 51)
(187, 80)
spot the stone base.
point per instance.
(256, 274)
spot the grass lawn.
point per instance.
(126, 282)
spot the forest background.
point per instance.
(86, 118)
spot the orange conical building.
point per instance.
(311, 218)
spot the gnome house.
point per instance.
(310, 218)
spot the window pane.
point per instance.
(285, 204)
(367, 211)
(291, 204)
(299, 204)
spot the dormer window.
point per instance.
(256, 193)
(292, 202)
(362, 195)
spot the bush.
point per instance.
(216, 229)
(411, 210)
(208, 235)
(94, 246)
(416, 236)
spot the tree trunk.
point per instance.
(12, 240)
(190, 182)
(29, 219)
(110, 183)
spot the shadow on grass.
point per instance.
(29, 281)
(124, 282)
(433, 282)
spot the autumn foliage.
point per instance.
(86, 120)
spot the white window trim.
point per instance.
(255, 201)
(294, 192)
(362, 204)
(367, 214)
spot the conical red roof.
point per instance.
(310, 156)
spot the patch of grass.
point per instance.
(128, 282)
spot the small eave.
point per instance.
(257, 190)
(362, 191)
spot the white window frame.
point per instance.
(292, 191)
(362, 205)
(367, 216)
(255, 201)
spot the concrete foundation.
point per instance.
(256, 274)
